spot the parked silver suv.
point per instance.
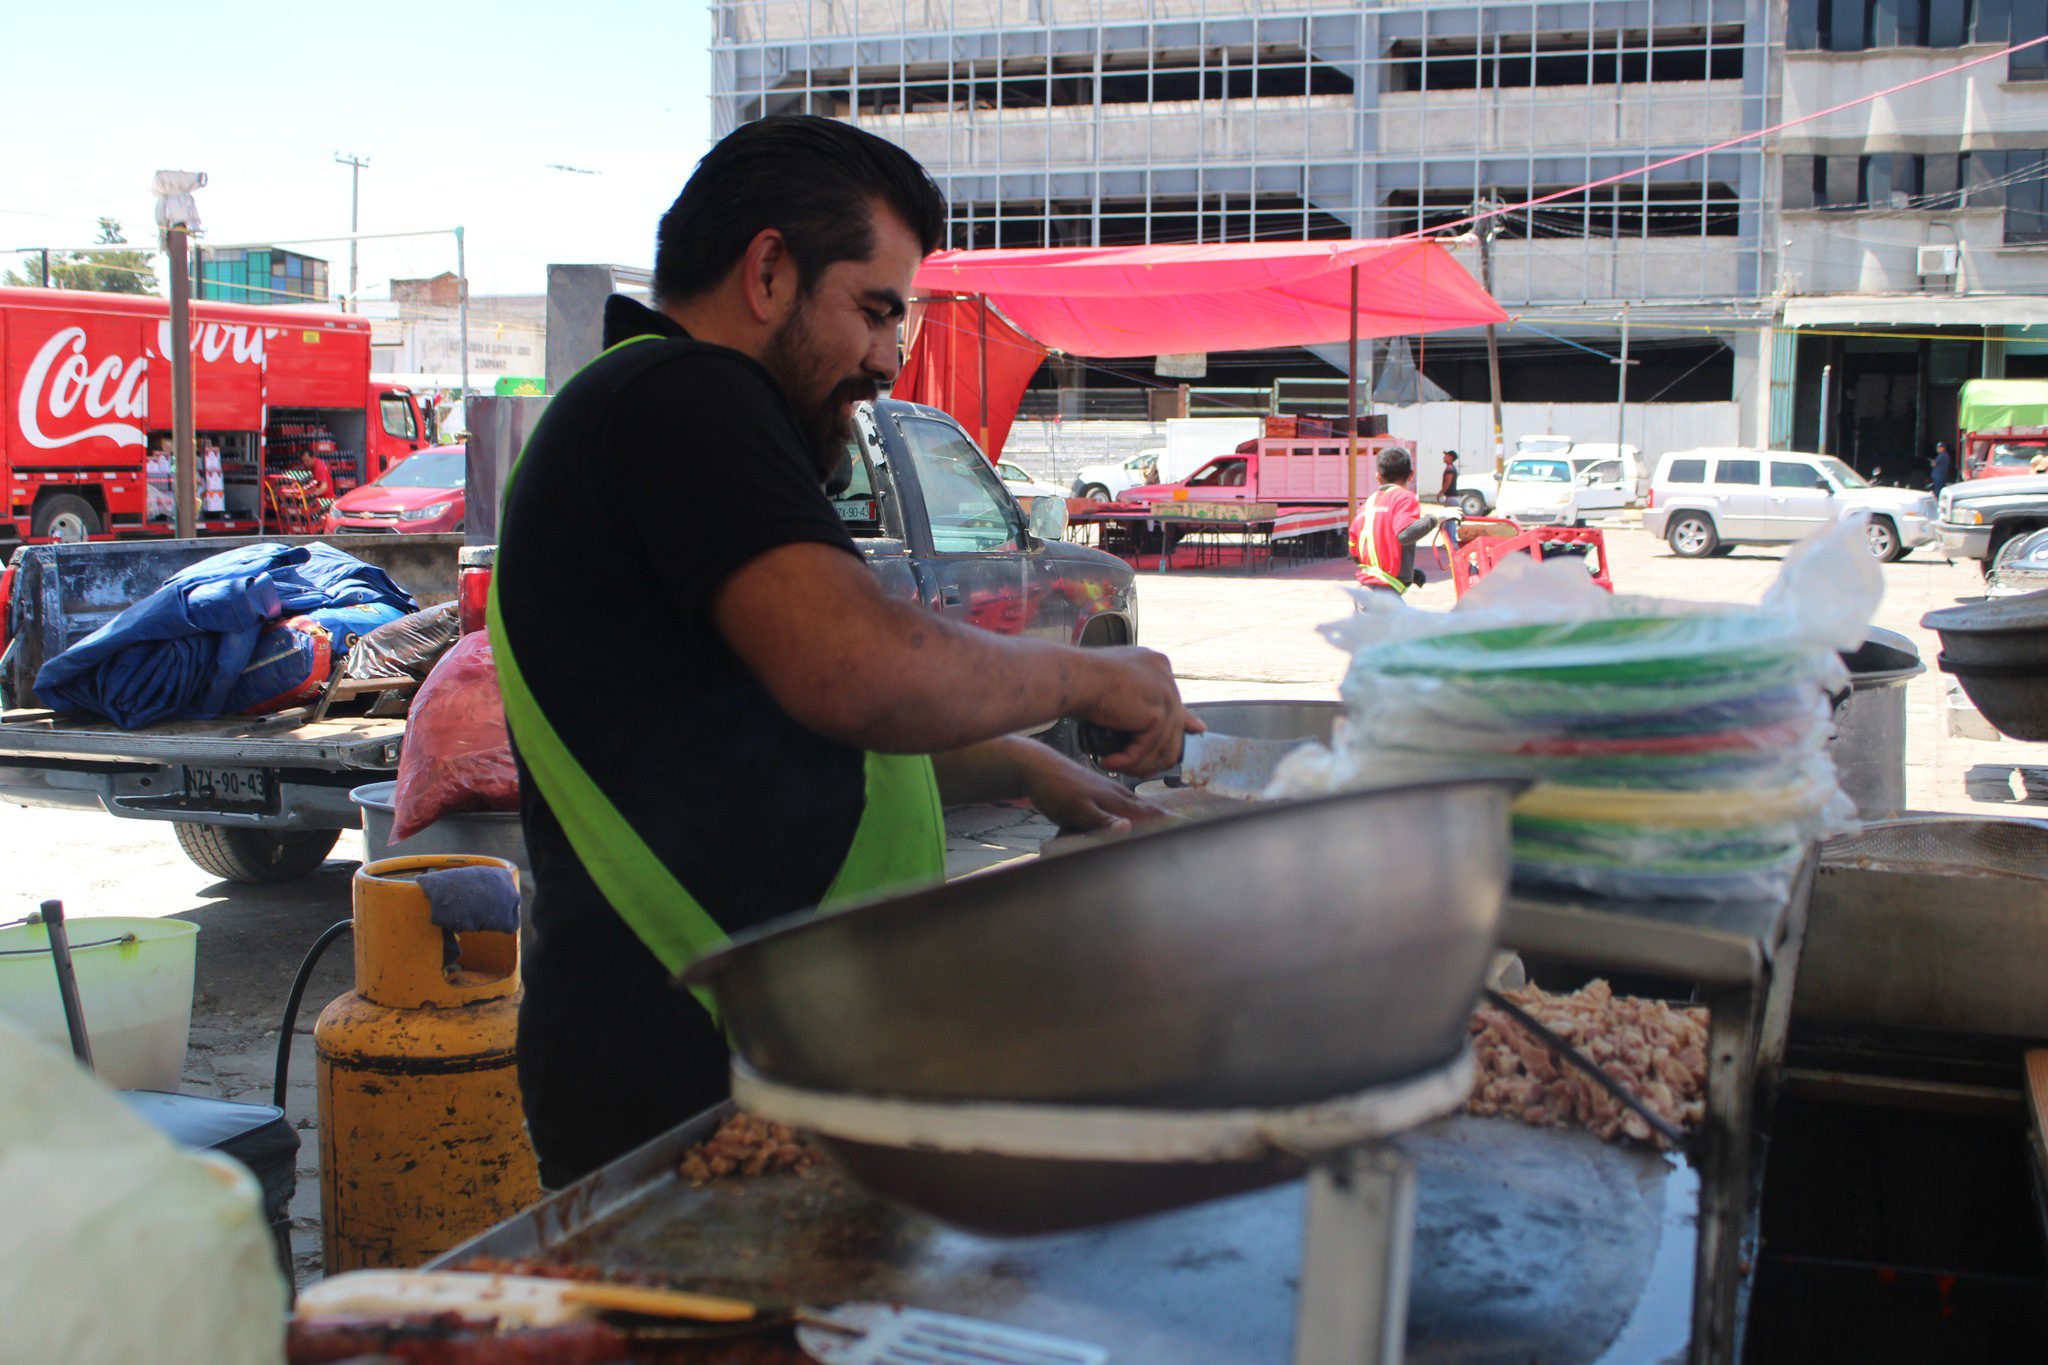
(1707, 502)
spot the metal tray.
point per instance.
(1530, 1244)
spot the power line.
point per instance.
(1740, 139)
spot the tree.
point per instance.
(112, 272)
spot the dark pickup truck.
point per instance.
(264, 798)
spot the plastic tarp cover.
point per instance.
(944, 367)
(178, 652)
(2002, 404)
(1237, 296)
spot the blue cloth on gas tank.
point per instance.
(475, 898)
(176, 653)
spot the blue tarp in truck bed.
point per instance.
(64, 593)
(176, 653)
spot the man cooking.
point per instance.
(719, 716)
(1389, 526)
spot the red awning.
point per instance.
(1235, 296)
(944, 367)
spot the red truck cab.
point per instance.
(1995, 454)
(85, 413)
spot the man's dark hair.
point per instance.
(1395, 466)
(813, 179)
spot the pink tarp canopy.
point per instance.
(1233, 296)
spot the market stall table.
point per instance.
(1260, 529)
(1530, 1244)
(1741, 958)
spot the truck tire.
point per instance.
(67, 517)
(1691, 535)
(1883, 541)
(237, 854)
(1095, 492)
(1472, 503)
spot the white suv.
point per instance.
(1706, 502)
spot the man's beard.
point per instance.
(826, 418)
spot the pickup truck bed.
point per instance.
(252, 798)
(285, 738)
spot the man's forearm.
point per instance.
(929, 684)
(847, 661)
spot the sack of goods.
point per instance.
(1678, 750)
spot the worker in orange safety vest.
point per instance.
(1389, 526)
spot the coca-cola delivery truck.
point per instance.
(283, 408)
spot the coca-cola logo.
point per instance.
(63, 379)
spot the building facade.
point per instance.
(1915, 229)
(268, 275)
(1098, 122)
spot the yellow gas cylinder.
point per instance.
(422, 1141)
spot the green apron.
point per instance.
(900, 841)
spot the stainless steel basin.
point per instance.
(1315, 720)
(1936, 923)
(1287, 954)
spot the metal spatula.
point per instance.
(879, 1334)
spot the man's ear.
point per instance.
(768, 277)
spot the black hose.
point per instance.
(1571, 1055)
(291, 1007)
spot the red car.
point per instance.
(420, 493)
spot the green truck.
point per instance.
(2001, 426)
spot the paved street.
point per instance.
(1230, 636)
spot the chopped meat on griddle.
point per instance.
(746, 1146)
(1658, 1052)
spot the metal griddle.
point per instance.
(1530, 1244)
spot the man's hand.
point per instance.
(1076, 799)
(1138, 696)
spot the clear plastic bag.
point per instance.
(100, 1204)
(1679, 749)
(458, 754)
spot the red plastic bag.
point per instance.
(457, 754)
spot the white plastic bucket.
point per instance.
(134, 985)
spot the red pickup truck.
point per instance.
(1300, 472)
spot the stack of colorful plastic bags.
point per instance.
(1678, 750)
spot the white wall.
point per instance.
(1056, 450)
(1467, 428)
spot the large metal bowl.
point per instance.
(1291, 953)
(1998, 651)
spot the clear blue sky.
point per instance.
(460, 108)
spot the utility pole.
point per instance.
(184, 458)
(355, 166)
(1351, 410)
(1487, 231)
(1621, 397)
(178, 216)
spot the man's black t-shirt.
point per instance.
(657, 471)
